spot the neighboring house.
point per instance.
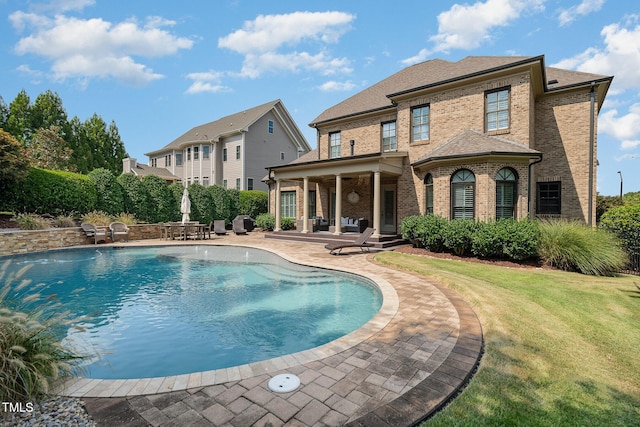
(131, 165)
(235, 150)
(483, 138)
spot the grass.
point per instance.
(561, 349)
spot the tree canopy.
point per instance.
(43, 129)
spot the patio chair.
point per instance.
(360, 242)
(219, 227)
(98, 234)
(238, 226)
(119, 231)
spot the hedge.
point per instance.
(52, 192)
(505, 238)
(109, 191)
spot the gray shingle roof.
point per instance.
(473, 143)
(233, 123)
(435, 72)
(144, 170)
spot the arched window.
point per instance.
(463, 189)
(428, 193)
(506, 193)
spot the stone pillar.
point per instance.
(305, 205)
(277, 227)
(338, 225)
(376, 204)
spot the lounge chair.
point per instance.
(119, 231)
(360, 242)
(98, 234)
(238, 226)
(219, 227)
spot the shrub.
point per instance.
(97, 218)
(64, 221)
(487, 240)
(54, 192)
(506, 238)
(221, 203)
(135, 196)
(573, 246)
(266, 221)
(253, 203)
(109, 192)
(126, 218)
(30, 221)
(624, 222)
(176, 190)
(31, 357)
(521, 239)
(160, 201)
(425, 231)
(457, 236)
(233, 196)
(409, 229)
(202, 207)
(287, 223)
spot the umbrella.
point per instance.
(185, 206)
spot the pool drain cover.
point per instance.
(284, 383)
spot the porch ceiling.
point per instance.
(389, 164)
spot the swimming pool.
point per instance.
(174, 310)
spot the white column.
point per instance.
(376, 204)
(277, 227)
(338, 226)
(305, 205)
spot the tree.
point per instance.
(109, 191)
(13, 163)
(82, 156)
(161, 202)
(135, 196)
(19, 119)
(4, 113)
(47, 150)
(46, 111)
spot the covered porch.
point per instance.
(346, 190)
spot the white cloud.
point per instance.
(625, 128)
(269, 42)
(586, 7)
(620, 56)
(210, 81)
(334, 86)
(89, 48)
(469, 26)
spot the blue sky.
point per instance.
(159, 68)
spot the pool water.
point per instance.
(165, 311)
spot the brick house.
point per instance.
(484, 137)
(232, 151)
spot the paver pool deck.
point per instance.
(410, 359)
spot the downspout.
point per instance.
(591, 150)
(531, 185)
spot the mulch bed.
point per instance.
(409, 249)
(7, 222)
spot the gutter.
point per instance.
(591, 150)
(531, 184)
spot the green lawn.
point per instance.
(561, 349)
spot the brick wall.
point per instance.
(23, 241)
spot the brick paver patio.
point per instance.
(396, 371)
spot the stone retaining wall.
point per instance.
(23, 241)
